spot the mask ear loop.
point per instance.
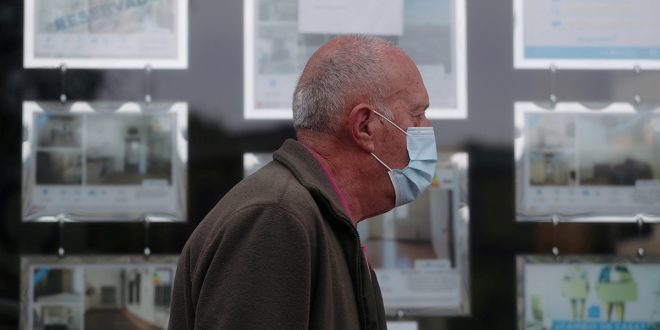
(391, 122)
(397, 127)
(382, 163)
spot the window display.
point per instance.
(77, 293)
(588, 292)
(106, 34)
(587, 164)
(586, 34)
(104, 161)
(280, 36)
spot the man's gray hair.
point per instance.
(327, 86)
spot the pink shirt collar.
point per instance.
(342, 200)
(331, 178)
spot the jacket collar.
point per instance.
(309, 172)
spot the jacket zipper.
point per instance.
(358, 268)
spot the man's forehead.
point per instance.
(404, 77)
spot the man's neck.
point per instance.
(364, 194)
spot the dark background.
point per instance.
(218, 137)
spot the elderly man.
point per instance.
(281, 249)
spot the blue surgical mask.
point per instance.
(416, 177)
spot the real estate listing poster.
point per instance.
(281, 35)
(94, 292)
(584, 164)
(588, 292)
(106, 34)
(586, 34)
(104, 161)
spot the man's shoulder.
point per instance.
(270, 197)
(273, 185)
(271, 189)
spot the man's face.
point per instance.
(407, 100)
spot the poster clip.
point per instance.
(555, 225)
(63, 83)
(147, 250)
(637, 98)
(553, 94)
(640, 226)
(147, 83)
(61, 219)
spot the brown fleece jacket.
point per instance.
(277, 252)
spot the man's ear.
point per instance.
(361, 124)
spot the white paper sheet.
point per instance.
(104, 34)
(586, 34)
(358, 16)
(276, 50)
(402, 325)
(412, 288)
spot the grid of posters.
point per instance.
(77, 293)
(281, 35)
(587, 34)
(587, 164)
(104, 161)
(588, 293)
(118, 34)
(419, 251)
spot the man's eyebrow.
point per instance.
(418, 109)
(426, 107)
